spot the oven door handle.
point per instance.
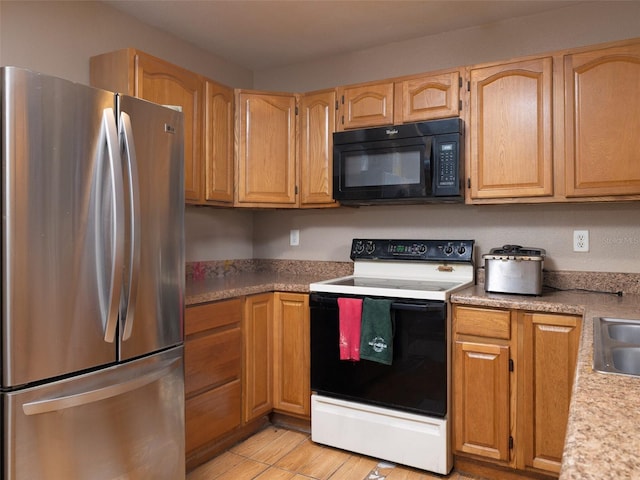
(418, 307)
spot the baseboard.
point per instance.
(489, 471)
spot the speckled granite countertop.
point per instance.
(603, 433)
(218, 280)
(220, 288)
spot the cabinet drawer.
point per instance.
(482, 322)
(210, 415)
(212, 315)
(212, 359)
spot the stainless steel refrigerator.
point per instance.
(92, 283)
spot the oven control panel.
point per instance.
(418, 250)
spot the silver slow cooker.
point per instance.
(514, 269)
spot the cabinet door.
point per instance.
(428, 98)
(364, 106)
(317, 124)
(511, 130)
(481, 399)
(291, 375)
(166, 84)
(218, 143)
(258, 356)
(213, 364)
(549, 361)
(602, 144)
(266, 170)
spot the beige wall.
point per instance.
(585, 23)
(614, 231)
(59, 37)
(218, 234)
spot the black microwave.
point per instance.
(409, 163)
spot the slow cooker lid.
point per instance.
(518, 250)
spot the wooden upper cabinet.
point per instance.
(366, 105)
(161, 82)
(136, 73)
(218, 143)
(511, 130)
(428, 98)
(602, 95)
(265, 149)
(317, 124)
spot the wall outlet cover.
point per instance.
(581, 240)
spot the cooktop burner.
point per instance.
(395, 283)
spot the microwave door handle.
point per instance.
(428, 165)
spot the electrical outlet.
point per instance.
(581, 240)
(294, 238)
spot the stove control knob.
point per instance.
(359, 248)
(370, 247)
(462, 250)
(422, 248)
(448, 250)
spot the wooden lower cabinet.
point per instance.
(291, 354)
(550, 343)
(512, 379)
(213, 363)
(482, 399)
(244, 358)
(257, 375)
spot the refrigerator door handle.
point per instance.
(131, 172)
(112, 390)
(112, 223)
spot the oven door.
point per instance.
(416, 381)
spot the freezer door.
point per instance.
(126, 421)
(60, 240)
(152, 313)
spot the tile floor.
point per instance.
(279, 454)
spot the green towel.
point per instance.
(376, 335)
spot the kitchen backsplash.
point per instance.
(606, 282)
(216, 268)
(628, 283)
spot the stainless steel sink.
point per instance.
(626, 359)
(625, 332)
(616, 345)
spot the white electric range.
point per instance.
(400, 411)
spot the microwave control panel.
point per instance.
(447, 166)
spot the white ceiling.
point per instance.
(261, 34)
